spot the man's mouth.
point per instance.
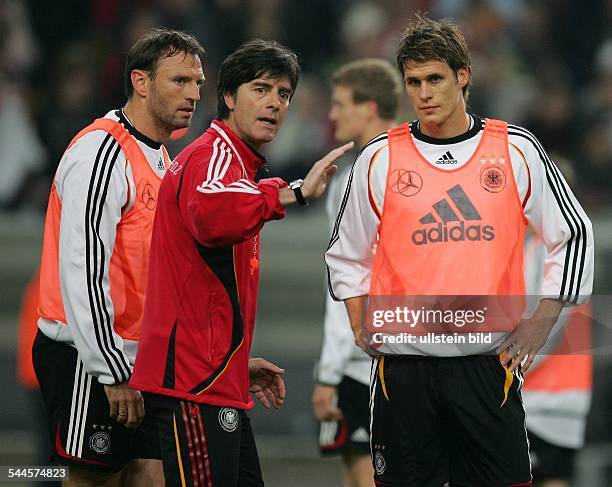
(268, 121)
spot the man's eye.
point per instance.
(284, 96)
(180, 81)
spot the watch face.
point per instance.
(296, 184)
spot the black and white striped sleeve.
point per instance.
(350, 254)
(558, 218)
(93, 187)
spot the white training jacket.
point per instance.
(73, 177)
(339, 355)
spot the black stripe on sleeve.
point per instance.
(109, 324)
(95, 259)
(347, 191)
(331, 290)
(576, 246)
(336, 231)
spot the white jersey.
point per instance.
(558, 417)
(106, 195)
(339, 354)
(548, 204)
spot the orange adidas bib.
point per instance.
(450, 232)
(129, 262)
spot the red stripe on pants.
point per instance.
(194, 471)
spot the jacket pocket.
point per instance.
(212, 318)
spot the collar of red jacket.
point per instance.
(250, 157)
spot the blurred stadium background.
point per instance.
(543, 64)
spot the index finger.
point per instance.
(506, 344)
(264, 364)
(337, 153)
(280, 386)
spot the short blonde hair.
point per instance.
(372, 79)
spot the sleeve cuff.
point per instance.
(327, 376)
(270, 188)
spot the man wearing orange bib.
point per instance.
(95, 263)
(439, 207)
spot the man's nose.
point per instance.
(194, 93)
(274, 101)
(425, 91)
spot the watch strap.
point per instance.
(296, 186)
(300, 197)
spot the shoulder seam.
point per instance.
(378, 138)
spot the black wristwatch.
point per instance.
(296, 186)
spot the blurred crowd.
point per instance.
(542, 64)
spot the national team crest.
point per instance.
(493, 175)
(100, 442)
(379, 463)
(228, 419)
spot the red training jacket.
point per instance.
(203, 272)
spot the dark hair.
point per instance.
(154, 46)
(372, 80)
(434, 40)
(250, 61)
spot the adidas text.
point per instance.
(456, 233)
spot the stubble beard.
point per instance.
(165, 117)
(170, 120)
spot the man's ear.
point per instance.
(140, 81)
(230, 100)
(372, 108)
(463, 76)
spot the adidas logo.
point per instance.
(447, 159)
(446, 230)
(161, 166)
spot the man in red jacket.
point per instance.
(199, 315)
